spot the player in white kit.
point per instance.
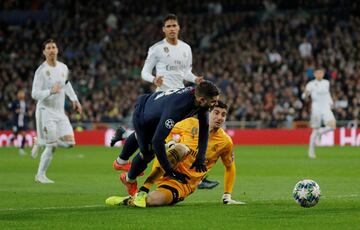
(172, 59)
(319, 91)
(53, 127)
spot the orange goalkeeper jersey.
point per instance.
(220, 145)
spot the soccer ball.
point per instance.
(306, 193)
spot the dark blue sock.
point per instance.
(129, 148)
(23, 142)
(138, 166)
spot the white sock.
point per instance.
(121, 161)
(325, 130)
(45, 160)
(313, 137)
(130, 180)
(127, 133)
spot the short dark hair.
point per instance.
(50, 40)
(207, 89)
(169, 17)
(221, 104)
(320, 68)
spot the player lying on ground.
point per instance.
(182, 154)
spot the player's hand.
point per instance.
(56, 88)
(181, 177)
(199, 79)
(158, 80)
(226, 198)
(77, 106)
(199, 165)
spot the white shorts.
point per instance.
(51, 126)
(321, 116)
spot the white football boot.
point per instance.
(43, 179)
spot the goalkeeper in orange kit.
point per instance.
(182, 143)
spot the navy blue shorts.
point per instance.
(144, 132)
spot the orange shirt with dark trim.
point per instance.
(220, 145)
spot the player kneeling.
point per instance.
(182, 154)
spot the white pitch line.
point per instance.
(51, 208)
(199, 201)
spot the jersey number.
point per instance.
(165, 93)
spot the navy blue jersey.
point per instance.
(19, 110)
(160, 111)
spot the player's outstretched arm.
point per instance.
(189, 76)
(228, 161)
(150, 62)
(229, 180)
(199, 163)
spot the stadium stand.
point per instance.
(261, 54)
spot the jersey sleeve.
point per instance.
(176, 132)
(203, 117)
(331, 102)
(227, 158)
(189, 76)
(69, 91)
(37, 92)
(150, 62)
(163, 129)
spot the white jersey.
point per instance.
(46, 77)
(320, 95)
(174, 62)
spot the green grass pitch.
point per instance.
(266, 176)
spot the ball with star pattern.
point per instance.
(306, 193)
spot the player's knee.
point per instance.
(157, 198)
(176, 153)
(181, 150)
(50, 147)
(147, 157)
(51, 144)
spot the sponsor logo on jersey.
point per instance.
(194, 132)
(169, 123)
(175, 68)
(47, 73)
(166, 49)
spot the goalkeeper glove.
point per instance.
(199, 165)
(227, 199)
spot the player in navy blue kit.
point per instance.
(156, 114)
(20, 116)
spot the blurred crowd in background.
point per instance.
(260, 53)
